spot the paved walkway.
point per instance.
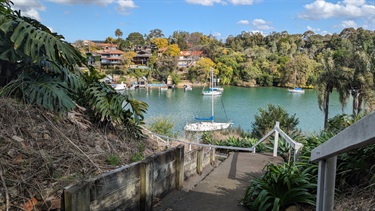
(221, 188)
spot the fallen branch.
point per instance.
(5, 189)
(70, 141)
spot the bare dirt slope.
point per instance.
(41, 153)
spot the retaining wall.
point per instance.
(134, 186)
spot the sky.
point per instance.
(99, 19)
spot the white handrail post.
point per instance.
(276, 142)
(326, 184)
(189, 147)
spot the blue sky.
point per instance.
(98, 19)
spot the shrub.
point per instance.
(113, 160)
(138, 156)
(163, 126)
(282, 186)
(265, 121)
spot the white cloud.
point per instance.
(261, 24)
(243, 22)
(98, 2)
(241, 2)
(223, 2)
(312, 29)
(321, 9)
(348, 24)
(216, 34)
(125, 5)
(354, 2)
(205, 2)
(29, 8)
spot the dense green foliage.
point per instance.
(280, 187)
(39, 67)
(163, 126)
(275, 189)
(266, 120)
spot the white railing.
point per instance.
(296, 146)
(360, 134)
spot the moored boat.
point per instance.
(296, 90)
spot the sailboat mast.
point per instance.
(212, 96)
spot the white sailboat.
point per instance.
(208, 124)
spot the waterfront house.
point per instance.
(142, 56)
(110, 57)
(188, 58)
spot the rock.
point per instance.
(293, 208)
(46, 136)
(17, 138)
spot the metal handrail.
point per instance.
(360, 134)
(297, 146)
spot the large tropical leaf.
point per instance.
(42, 90)
(33, 39)
(110, 106)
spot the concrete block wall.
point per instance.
(133, 187)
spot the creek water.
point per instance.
(237, 105)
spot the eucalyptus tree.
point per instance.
(155, 33)
(362, 83)
(135, 39)
(298, 70)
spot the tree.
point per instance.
(127, 57)
(362, 83)
(205, 65)
(265, 121)
(298, 69)
(118, 33)
(110, 40)
(160, 42)
(135, 39)
(330, 77)
(40, 69)
(155, 33)
(172, 51)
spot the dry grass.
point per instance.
(41, 153)
(356, 200)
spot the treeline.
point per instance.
(344, 61)
(248, 59)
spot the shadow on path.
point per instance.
(223, 187)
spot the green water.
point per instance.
(237, 104)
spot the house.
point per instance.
(142, 56)
(110, 57)
(188, 58)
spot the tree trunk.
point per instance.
(326, 107)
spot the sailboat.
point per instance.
(208, 124)
(213, 90)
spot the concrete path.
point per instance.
(221, 189)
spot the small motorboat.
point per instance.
(296, 90)
(119, 87)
